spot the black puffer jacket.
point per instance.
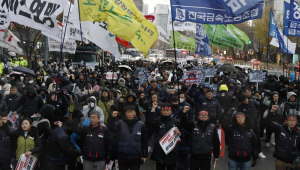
(161, 126)
(230, 127)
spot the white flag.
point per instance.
(4, 19)
(98, 34)
(72, 30)
(10, 41)
(290, 45)
(37, 14)
(162, 35)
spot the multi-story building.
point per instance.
(145, 8)
(162, 12)
(139, 4)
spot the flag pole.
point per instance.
(174, 43)
(82, 46)
(60, 57)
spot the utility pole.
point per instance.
(45, 51)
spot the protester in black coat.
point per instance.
(225, 99)
(243, 143)
(161, 126)
(200, 153)
(133, 149)
(287, 137)
(272, 84)
(59, 149)
(12, 100)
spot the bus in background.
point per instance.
(180, 54)
(133, 54)
(88, 55)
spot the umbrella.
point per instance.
(24, 70)
(227, 68)
(216, 59)
(17, 73)
(166, 61)
(125, 66)
(4, 57)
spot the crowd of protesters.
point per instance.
(77, 118)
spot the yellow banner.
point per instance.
(147, 33)
(123, 19)
(145, 37)
(118, 21)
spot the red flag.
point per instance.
(124, 42)
(150, 18)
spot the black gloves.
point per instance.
(253, 163)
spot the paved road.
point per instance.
(262, 164)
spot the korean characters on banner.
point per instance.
(37, 14)
(211, 12)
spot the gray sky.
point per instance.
(152, 3)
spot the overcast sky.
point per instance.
(152, 3)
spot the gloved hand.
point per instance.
(253, 163)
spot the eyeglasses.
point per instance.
(93, 117)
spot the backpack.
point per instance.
(36, 124)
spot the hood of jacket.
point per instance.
(131, 94)
(30, 89)
(289, 94)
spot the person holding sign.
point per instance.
(204, 140)
(133, 139)
(27, 138)
(161, 126)
(242, 144)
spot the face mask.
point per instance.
(176, 87)
(30, 82)
(21, 78)
(2, 79)
(181, 100)
(92, 104)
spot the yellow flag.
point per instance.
(118, 21)
(145, 37)
(147, 33)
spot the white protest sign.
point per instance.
(26, 163)
(37, 14)
(109, 75)
(169, 141)
(257, 76)
(109, 166)
(210, 72)
(69, 46)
